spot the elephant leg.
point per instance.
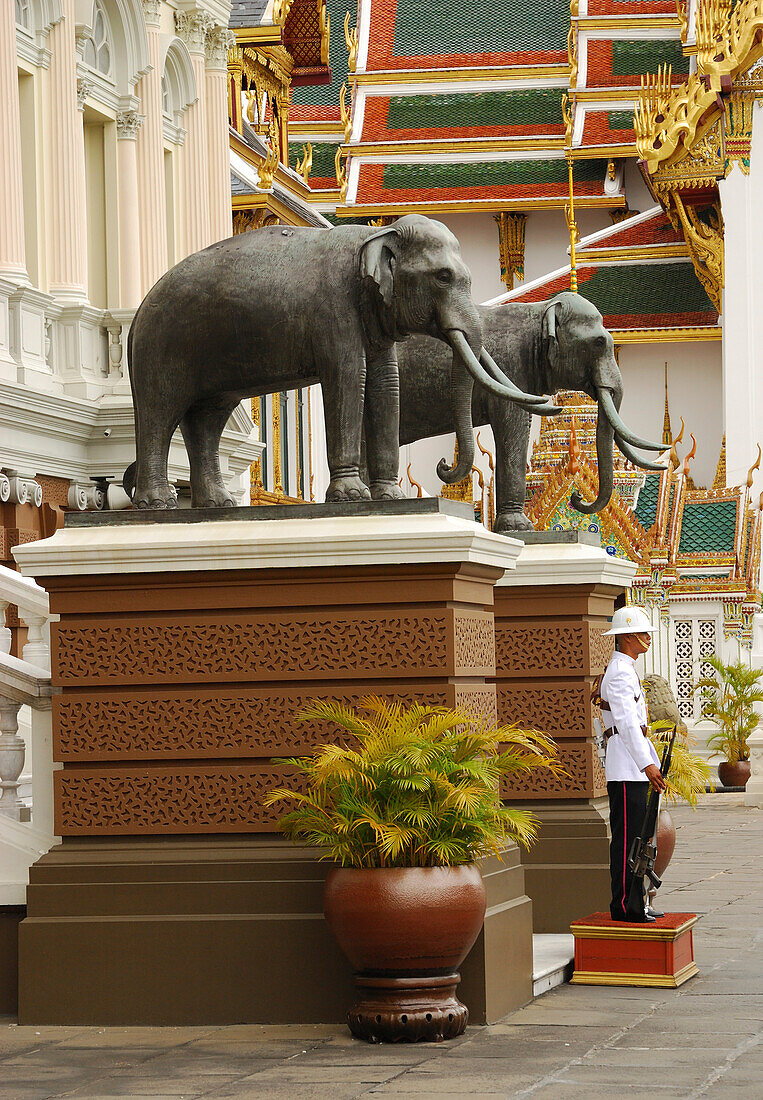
(202, 427)
(511, 430)
(382, 424)
(343, 413)
(153, 435)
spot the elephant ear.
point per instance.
(377, 262)
(549, 321)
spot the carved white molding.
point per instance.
(192, 28)
(23, 490)
(129, 123)
(151, 11)
(86, 498)
(84, 89)
(218, 42)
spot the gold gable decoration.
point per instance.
(511, 247)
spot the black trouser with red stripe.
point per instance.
(627, 809)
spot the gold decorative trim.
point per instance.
(667, 335)
(627, 22)
(444, 76)
(639, 932)
(511, 247)
(467, 145)
(597, 152)
(373, 210)
(705, 241)
(351, 41)
(660, 981)
(655, 252)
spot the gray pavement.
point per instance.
(574, 1043)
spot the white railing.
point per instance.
(26, 825)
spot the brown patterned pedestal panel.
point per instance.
(171, 899)
(549, 649)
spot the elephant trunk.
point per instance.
(605, 436)
(461, 387)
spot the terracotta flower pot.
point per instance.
(666, 842)
(405, 931)
(734, 775)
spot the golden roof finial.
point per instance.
(486, 453)
(667, 430)
(414, 484)
(674, 462)
(690, 455)
(719, 481)
(755, 465)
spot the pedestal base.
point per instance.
(394, 1010)
(209, 930)
(567, 869)
(611, 952)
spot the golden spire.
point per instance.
(569, 210)
(667, 430)
(719, 481)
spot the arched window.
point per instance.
(23, 15)
(166, 97)
(98, 49)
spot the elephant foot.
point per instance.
(154, 497)
(212, 497)
(506, 522)
(386, 490)
(346, 488)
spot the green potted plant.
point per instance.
(729, 696)
(405, 806)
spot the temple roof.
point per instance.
(640, 276)
(246, 13)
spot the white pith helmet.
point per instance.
(630, 620)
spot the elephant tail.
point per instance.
(128, 479)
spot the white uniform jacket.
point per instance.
(628, 751)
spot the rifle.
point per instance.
(643, 850)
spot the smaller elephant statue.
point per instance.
(545, 347)
(281, 308)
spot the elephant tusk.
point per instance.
(636, 459)
(546, 410)
(460, 345)
(608, 405)
(489, 363)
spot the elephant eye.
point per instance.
(445, 275)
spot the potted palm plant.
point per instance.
(729, 696)
(405, 806)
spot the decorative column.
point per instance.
(216, 88)
(12, 752)
(128, 125)
(192, 27)
(550, 616)
(12, 253)
(150, 152)
(67, 205)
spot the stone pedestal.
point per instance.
(185, 649)
(550, 615)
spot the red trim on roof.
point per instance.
(381, 55)
(655, 230)
(599, 69)
(596, 131)
(301, 112)
(371, 190)
(376, 127)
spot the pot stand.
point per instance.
(393, 1010)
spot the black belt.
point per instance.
(613, 730)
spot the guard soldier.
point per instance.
(631, 759)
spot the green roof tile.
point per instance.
(536, 106)
(424, 28)
(324, 153)
(620, 120)
(646, 505)
(327, 95)
(630, 289)
(500, 173)
(708, 527)
(632, 58)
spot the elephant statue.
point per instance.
(285, 307)
(546, 346)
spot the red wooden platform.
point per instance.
(609, 952)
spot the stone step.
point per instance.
(552, 961)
